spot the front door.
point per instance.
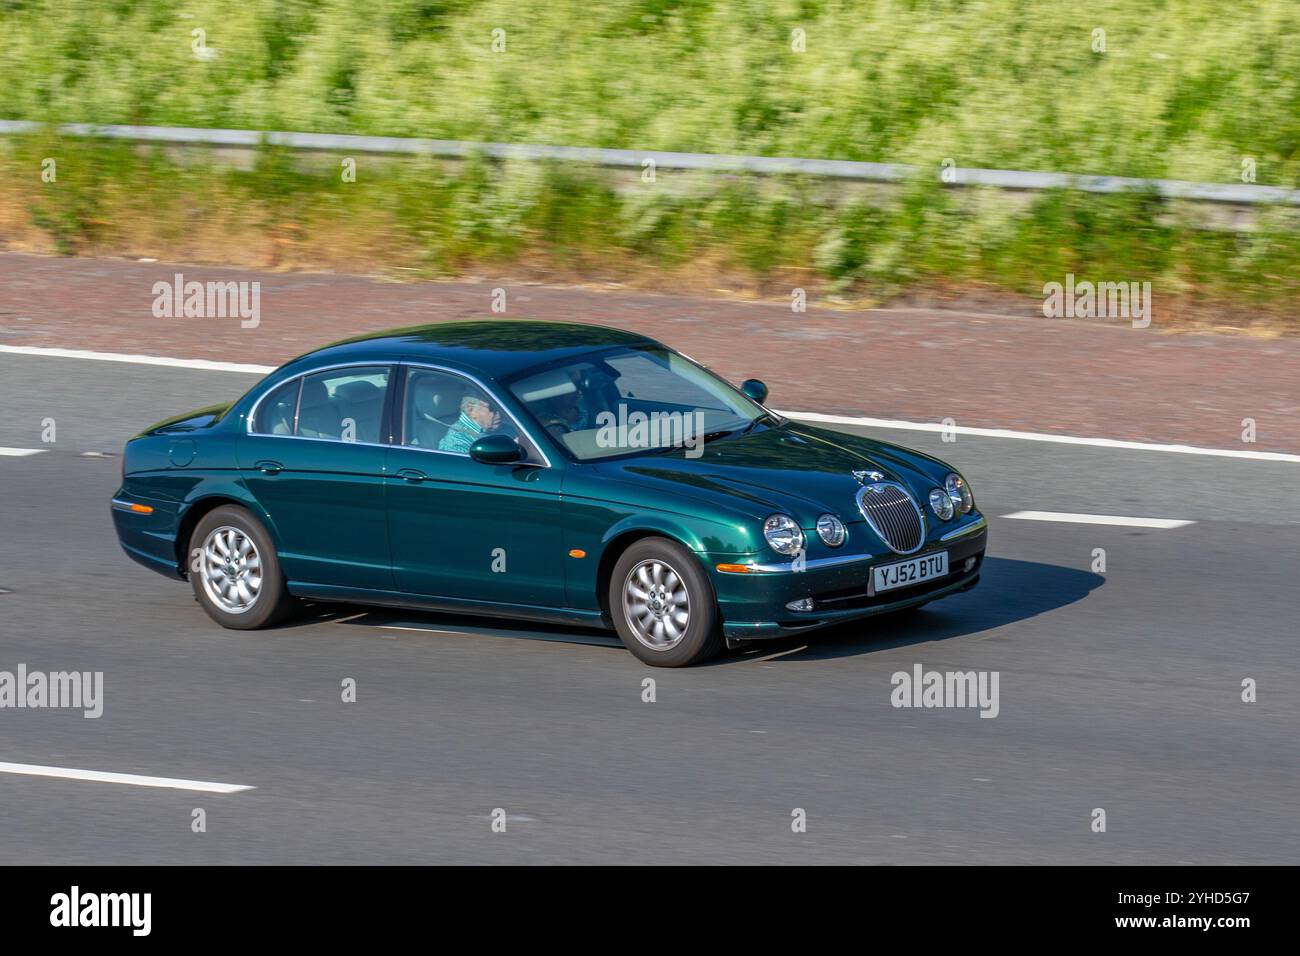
(459, 529)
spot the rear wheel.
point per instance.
(663, 605)
(234, 570)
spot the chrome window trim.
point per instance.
(391, 366)
(401, 443)
(297, 404)
(974, 526)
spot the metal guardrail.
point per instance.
(1011, 179)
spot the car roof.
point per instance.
(495, 347)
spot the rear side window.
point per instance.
(345, 404)
(276, 413)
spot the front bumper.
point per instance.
(754, 604)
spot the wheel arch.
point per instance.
(194, 512)
(615, 547)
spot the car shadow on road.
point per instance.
(440, 622)
(1009, 591)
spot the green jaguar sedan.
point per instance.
(548, 471)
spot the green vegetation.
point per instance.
(1183, 90)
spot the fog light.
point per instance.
(970, 563)
(803, 604)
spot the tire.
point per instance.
(230, 530)
(681, 624)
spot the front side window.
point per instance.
(447, 412)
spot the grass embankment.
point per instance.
(1185, 90)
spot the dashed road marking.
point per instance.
(135, 780)
(21, 452)
(1118, 520)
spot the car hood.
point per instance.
(799, 469)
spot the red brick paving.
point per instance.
(1034, 374)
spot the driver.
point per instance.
(568, 409)
(477, 417)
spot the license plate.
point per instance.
(906, 573)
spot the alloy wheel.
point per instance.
(231, 569)
(656, 604)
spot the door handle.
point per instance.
(412, 475)
(269, 467)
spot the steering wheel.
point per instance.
(556, 426)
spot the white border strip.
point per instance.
(210, 366)
(99, 776)
(202, 364)
(1041, 436)
(1118, 520)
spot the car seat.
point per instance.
(363, 402)
(434, 407)
(318, 415)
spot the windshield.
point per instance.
(634, 400)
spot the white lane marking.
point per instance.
(135, 780)
(1042, 436)
(1120, 520)
(21, 452)
(210, 366)
(202, 364)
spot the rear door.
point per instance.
(314, 458)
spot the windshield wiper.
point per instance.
(754, 424)
(719, 434)
(743, 430)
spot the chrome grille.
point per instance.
(893, 515)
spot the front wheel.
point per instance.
(663, 605)
(235, 572)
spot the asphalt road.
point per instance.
(1119, 691)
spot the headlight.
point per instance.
(959, 492)
(783, 534)
(831, 530)
(941, 504)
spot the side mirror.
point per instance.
(754, 389)
(496, 450)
